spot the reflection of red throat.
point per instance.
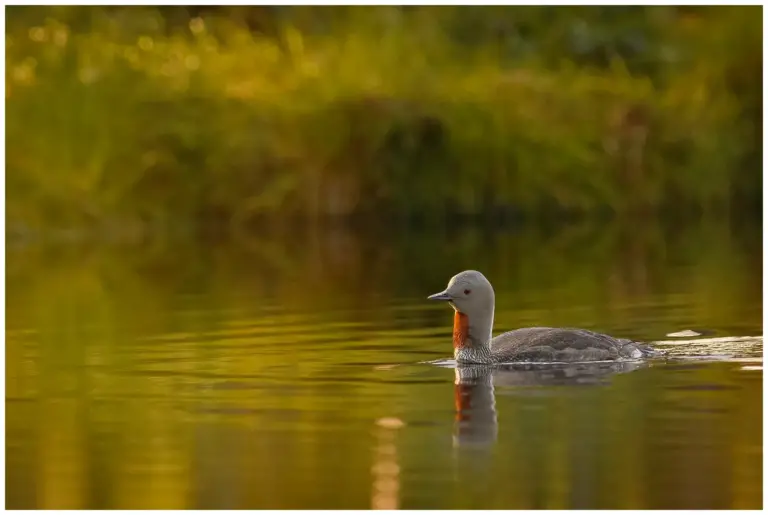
(462, 397)
(460, 331)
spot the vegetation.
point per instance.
(131, 114)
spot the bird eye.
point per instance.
(467, 292)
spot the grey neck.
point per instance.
(480, 332)
(481, 329)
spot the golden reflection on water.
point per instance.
(62, 445)
(215, 377)
(386, 466)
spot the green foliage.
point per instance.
(158, 114)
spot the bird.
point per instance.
(472, 298)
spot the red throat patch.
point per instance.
(460, 330)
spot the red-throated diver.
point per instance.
(472, 298)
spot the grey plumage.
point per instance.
(552, 344)
(471, 296)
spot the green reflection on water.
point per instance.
(279, 371)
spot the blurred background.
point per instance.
(230, 113)
(222, 224)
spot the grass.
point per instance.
(127, 117)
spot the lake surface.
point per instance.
(284, 369)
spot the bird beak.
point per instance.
(443, 295)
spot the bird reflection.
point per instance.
(475, 423)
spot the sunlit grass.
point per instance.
(134, 120)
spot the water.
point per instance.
(286, 370)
